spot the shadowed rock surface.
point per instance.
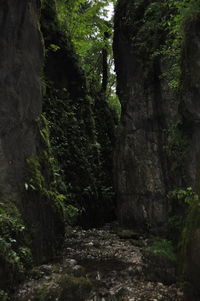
(20, 91)
(21, 128)
(158, 146)
(146, 109)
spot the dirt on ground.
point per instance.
(116, 264)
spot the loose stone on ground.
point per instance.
(98, 265)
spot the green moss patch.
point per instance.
(128, 234)
(43, 205)
(63, 288)
(163, 247)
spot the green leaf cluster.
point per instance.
(164, 247)
(161, 31)
(81, 147)
(182, 201)
(176, 147)
(187, 195)
(85, 22)
(15, 255)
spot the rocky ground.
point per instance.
(103, 265)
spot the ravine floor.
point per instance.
(119, 269)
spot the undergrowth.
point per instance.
(164, 247)
(15, 255)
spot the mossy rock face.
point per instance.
(74, 288)
(160, 260)
(193, 268)
(62, 288)
(128, 234)
(159, 267)
(190, 259)
(81, 140)
(43, 205)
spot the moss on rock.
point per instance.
(62, 288)
(82, 147)
(190, 249)
(43, 205)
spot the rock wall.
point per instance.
(141, 178)
(158, 145)
(22, 133)
(190, 95)
(155, 152)
(191, 111)
(20, 91)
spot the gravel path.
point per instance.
(116, 267)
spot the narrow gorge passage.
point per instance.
(118, 269)
(84, 146)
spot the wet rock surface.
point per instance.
(97, 265)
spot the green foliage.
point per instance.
(181, 200)
(115, 105)
(175, 226)
(81, 148)
(54, 47)
(64, 288)
(176, 148)
(70, 139)
(36, 181)
(187, 195)
(45, 185)
(160, 33)
(71, 214)
(4, 296)
(192, 223)
(42, 168)
(15, 256)
(185, 223)
(74, 287)
(42, 194)
(164, 247)
(181, 13)
(85, 22)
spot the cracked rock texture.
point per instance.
(21, 63)
(21, 58)
(147, 167)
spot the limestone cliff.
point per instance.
(191, 114)
(155, 131)
(24, 145)
(156, 47)
(20, 90)
(147, 109)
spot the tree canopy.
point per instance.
(88, 24)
